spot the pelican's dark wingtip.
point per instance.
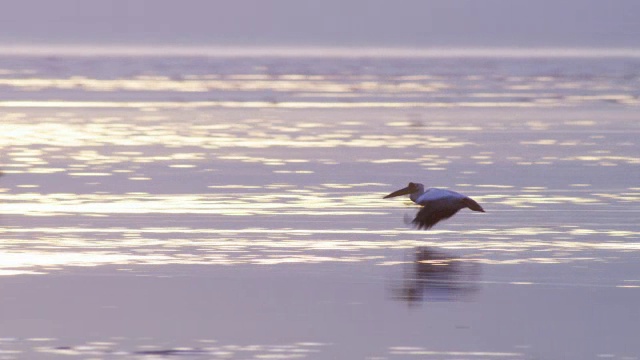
(422, 226)
(429, 216)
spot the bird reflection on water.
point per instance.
(436, 276)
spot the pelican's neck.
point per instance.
(415, 195)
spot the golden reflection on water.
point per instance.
(472, 90)
(246, 134)
(152, 106)
(414, 350)
(252, 168)
(318, 201)
(44, 249)
(193, 83)
(280, 222)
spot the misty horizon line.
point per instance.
(219, 50)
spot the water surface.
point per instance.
(220, 207)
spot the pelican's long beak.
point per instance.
(405, 191)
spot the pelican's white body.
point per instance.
(437, 204)
(422, 197)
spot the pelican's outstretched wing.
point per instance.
(435, 211)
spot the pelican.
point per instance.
(437, 204)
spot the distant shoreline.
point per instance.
(87, 50)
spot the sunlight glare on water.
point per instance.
(73, 165)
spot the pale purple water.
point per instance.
(231, 207)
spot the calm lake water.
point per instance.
(231, 207)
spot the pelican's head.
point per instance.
(410, 189)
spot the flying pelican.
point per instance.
(437, 204)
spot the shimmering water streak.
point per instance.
(90, 51)
(117, 348)
(304, 202)
(265, 104)
(46, 249)
(412, 350)
(318, 83)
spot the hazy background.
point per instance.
(408, 23)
